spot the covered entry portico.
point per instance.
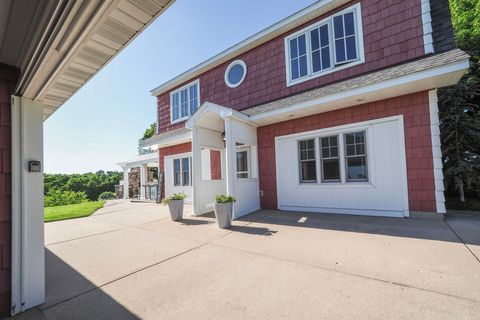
(224, 159)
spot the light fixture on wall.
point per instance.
(223, 137)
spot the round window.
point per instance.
(235, 73)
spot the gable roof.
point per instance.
(291, 22)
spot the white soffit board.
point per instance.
(92, 34)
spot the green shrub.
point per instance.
(175, 196)
(60, 198)
(223, 198)
(107, 195)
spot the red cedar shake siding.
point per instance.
(215, 165)
(8, 79)
(414, 108)
(169, 151)
(392, 34)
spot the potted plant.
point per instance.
(175, 205)
(223, 210)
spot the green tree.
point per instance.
(459, 107)
(150, 131)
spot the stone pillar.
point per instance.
(125, 183)
(143, 180)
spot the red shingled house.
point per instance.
(333, 109)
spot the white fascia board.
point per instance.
(221, 111)
(169, 141)
(279, 28)
(369, 89)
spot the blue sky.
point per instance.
(101, 124)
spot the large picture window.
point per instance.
(181, 172)
(308, 167)
(349, 146)
(185, 101)
(333, 43)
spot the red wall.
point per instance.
(415, 109)
(8, 79)
(392, 34)
(168, 151)
(215, 165)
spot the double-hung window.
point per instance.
(181, 172)
(185, 101)
(330, 159)
(356, 156)
(333, 43)
(342, 158)
(308, 166)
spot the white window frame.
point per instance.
(365, 149)
(182, 183)
(315, 158)
(334, 67)
(172, 93)
(249, 163)
(340, 133)
(230, 66)
(322, 159)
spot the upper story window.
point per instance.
(329, 45)
(235, 73)
(185, 101)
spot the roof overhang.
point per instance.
(73, 41)
(166, 139)
(211, 116)
(295, 20)
(338, 95)
(141, 159)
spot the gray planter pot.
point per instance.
(176, 209)
(223, 212)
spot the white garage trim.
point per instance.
(381, 207)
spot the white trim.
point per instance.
(168, 141)
(357, 14)
(187, 86)
(427, 27)
(352, 127)
(230, 66)
(297, 19)
(372, 88)
(436, 151)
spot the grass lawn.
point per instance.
(72, 211)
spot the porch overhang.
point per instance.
(210, 116)
(166, 139)
(139, 160)
(425, 74)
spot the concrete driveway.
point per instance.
(129, 261)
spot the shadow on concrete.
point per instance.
(194, 222)
(453, 229)
(63, 283)
(259, 231)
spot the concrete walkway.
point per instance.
(129, 261)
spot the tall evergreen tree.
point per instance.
(459, 107)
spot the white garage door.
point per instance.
(354, 169)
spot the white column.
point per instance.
(126, 183)
(143, 180)
(196, 171)
(230, 155)
(28, 255)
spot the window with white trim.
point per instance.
(243, 162)
(326, 46)
(356, 156)
(185, 101)
(330, 159)
(350, 146)
(308, 164)
(182, 175)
